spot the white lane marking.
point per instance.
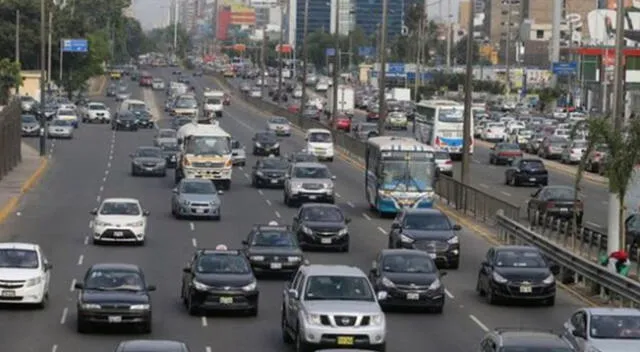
(108, 165)
(80, 259)
(104, 179)
(207, 349)
(593, 224)
(268, 202)
(505, 193)
(194, 242)
(90, 223)
(476, 161)
(54, 348)
(492, 167)
(63, 318)
(246, 175)
(483, 185)
(101, 188)
(351, 204)
(277, 214)
(106, 172)
(382, 230)
(338, 195)
(73, 285)
(451, 296)
(240, 168)
(110, 156)
(478, 322)
(192, 226)
(98, 199)
(86, 240)
(366, 216)
(260, 192)
(204, 321)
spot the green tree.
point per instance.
(9, 78)
(29, 31)
(459, 52)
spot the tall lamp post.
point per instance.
(43, 58)
(336, 63)
(468, 89)
(305, 59)
(382, 72)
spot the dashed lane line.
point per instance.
(204, 322)
(63, 318)
(351, 204)
(382, 230)
(192, 226)
(80, 259)
(478, 322)
(54, 348)
(194, 242)
(364, 215)
(449, 294)
(277, 214)
(268, 202)
(505, 193)
(73, 285)
(260, 192)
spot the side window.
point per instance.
(490, 254)
(578, 321)
(298, 285)
(296, 279)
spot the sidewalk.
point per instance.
(20, 180)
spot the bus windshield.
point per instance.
(220, 146)
(407, 175)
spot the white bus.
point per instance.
(399, 173)
(439, 123)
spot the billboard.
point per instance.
(263, 4)
(243, 15)
(601, 23)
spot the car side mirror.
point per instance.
(245, 242)
(48, 266)
(175, 190)
(78, 286)
(578, 333)
(373, 272)
(295, 218)
(347, 220)
(293, 294)
(186, 270)
(457, 227)
(333, 177)
(94, 212)
(151, 288)
(146, 213)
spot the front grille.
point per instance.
(275, 175)
(208, 165)
(344, 320)
(118, 234)
(115, 306)
(514, 290)
(312, 186)
(149, 164)
(11, 284)
(431, 246)
(199, 204)
(324, 320)
(411, 288)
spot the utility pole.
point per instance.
(449, 29)
(280, 43)
(572, 77)
(555, 37)
(382, 72)
(507, 49)
(336, 63)
(43, 119)
(17, 45)
(175, 27)
(263, 79)
(305, 58)
(465, 176)
(615, 235)
(49, 48)
(416, 81)
(350, 49)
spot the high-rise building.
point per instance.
(368, 17)
(346, 16)
(319, 19)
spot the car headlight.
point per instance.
(294, 259)
(90, 306)
(306, 230)
(213, 203)
(259, 173)
(257, 258)
(296, 186)
(99, 223)
(139, 307)
(436, 284)
(549, 280)
(343, 232)
(376, 319)
(250, 287)
(313, 319)
(406, 239)
(185, 202)
(453, 240)
(135, 224)
(33, 282)
(199, 286)
(258, 145)
(387, 283)
(277, 145)
(328, 185)
(498, 278)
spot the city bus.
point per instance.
(399, 173)
(439, 123)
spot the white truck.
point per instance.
(346, 99)
(401, 94)
(213, 103)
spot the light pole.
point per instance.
(18, 44)
(281, 40)
(336, 63)
(305, 58)
(175, 28)
(43, 118)
(468, 90)
(382, 72)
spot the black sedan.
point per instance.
(407, 278)
(273, 249)
(148, 161)
(144, 119)
(511, 273)
(112, 89)
(320, 225)
(526, 171)
(266, 143)
(114, 295)
(176, 72)
(170, 152)
(428, 230)
(558, 202)
(219, 280)
(125, 121)
(269, 172)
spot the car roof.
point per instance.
(134, 101)
(516, 248)
(121, 200)
(311, 164)
(430, 211)
(116, 266)
(531, 338)
(318, 130)
(332, 270)
(19, 245)
(387, 251)
(148, 147)
(196, 180)
(319, 205)
(152, 345)
(613, 311)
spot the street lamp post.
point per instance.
(280, 43)
(382, 72)
(468, 90)
(305, 58)
(336, 63)
(43, 57)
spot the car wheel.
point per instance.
(253, 312)
(454, 264)
(491, 298)
(191, 307)
(490, 160)
(96, 241)
(330, 159)
(550, 302)
(82, 326)
(217, 218)
(286, 200)
(345, 248)
(45, 301)
(146, 327)
(301, 345)
(438, 310)
(286, 338)
(479, 289)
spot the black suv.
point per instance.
(506, 339)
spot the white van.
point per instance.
(213, 103)
(320, 143)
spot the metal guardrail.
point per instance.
(598, 279)
(10, 137)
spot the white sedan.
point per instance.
(494, 131)
(25, 274)
(119, 220)
(68, 115)
(96, 112)
(572, 153)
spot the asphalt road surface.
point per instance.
(96, 165)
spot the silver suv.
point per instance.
(332, 306)
(308, 182)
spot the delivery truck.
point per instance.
(346, 99)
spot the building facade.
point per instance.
(318, 19)
(368, 17)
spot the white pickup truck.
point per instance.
(213, 103)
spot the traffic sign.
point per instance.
(564, 68)
(366, 51)
(330, 52)
(395, 68)
(75, 45)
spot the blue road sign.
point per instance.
(75, 45)
(366, 51)
(395, 69)
(564, 68)
(330, 52)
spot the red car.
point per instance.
(342, 122)
(293, 108)
(372, 115)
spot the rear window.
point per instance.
(137, 107)
(442, 156)
(532, 164)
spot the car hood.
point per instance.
(417, 279)
(53, 127)
(168, 140)
(148, 160)
(17, 274)
(283, 251)
(124, 297)
(523, 274)
(267, 141)
(342, 307)
(99, 111)
(206, 198)
(273, 171)
(429, 235)
(319, 145)
(30, 125)
(610, 345)
(225, 280)
(119, 219)
(324, 226)
(278, 125)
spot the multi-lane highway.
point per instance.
(96, 165)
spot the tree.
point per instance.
(9, 78)
(459, 52)
(29, 31)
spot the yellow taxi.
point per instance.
(229, 73)
(115, 75)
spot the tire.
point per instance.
(82, 327)
(253, 312)
(491, 299)
(191, 308)
(286, 338)
(550, 302)
(146, 327)
(479, 289)
(455, 265)
(45, 301)
(438, 310)
(345, 248)
(286, 200)
(330, 159)
(301, 345)
(217, 218)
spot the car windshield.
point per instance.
(279, 121)
(407, 263)
(137, 107)
(343, 288)
(236, 144)
(190, 187)
(97, 107)
(531, 164)
(322, 214)
(311, 172)
(536, 349)
(277, 164)
(303, 157)
(186, 103)
(450, 114)
(208, 146)
(561, 193)
(266, 137)
(213, 101)
(320, 137)
(120, 208)
(618, 327)
(519, 259)
(222, 264)
(149, 153)
(426, 222)
(18, 258)
(273, 238)
(114, 280)
(66, 113)
(170, 148)
(60, 123)
(167, 134)
(29, 119)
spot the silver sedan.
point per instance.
(60, 129)
(279, 125)
(194, 197)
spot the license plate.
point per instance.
(345, 340)
(432, 255)
(413, 296)
(8, 293)
(226, 300)
(276, 265)
(274, 181)
(525, 289)
(325, 241)
(313, 197)
(532, 179)
(199, 211)
(115, 319)
(564, 209)
(118, 234)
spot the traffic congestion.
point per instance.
(179, 212)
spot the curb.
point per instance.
(12, 203)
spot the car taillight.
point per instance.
(448, 162)
(551, 205)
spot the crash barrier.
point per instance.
(584, 272)
(10, 137)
